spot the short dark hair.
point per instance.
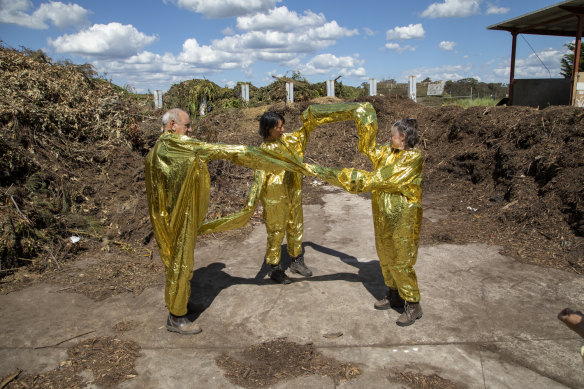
(268, 121)
(409, 127)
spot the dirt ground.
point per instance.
(507, 176)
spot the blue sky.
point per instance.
(155, 43)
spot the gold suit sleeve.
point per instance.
(404, 176)
(177, 185)
(238, 219)
(363, 114)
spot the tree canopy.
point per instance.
(567, 62)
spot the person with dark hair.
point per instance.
(396, 199)
(281, 197)
(177, 188)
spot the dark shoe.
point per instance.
(297, 266)
(182, 325)
(391, 300)
(278, 276)
(412, 312)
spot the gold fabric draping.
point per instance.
(281, 191)
(177, 187)
(396, 202)
(395, 184)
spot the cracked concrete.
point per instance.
(489, 321)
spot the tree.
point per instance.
(567, 62)
(202, 92)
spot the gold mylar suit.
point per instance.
(396, 201)
(281, 191)
(281, 195)
(177, 187)
(395, 185)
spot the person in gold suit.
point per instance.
(281, 196)
(177, 188)
(396, 198)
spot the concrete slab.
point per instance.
(489, 322)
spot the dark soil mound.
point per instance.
(507, 175)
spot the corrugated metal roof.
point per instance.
(559, 19)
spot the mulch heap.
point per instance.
(108, 360)
(263, 365)
(510, 176)
(68, 151)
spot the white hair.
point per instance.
(172, 114)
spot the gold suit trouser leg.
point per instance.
(177, 291)
(397, 251)
(295, 228)
(275, 217)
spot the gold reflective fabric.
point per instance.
(281, 191)
(281, 198)
(396, 202)
(177, 187)
(395, 184)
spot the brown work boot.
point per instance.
(297, 266)
(278, 276)
(391, 300)
(182, 325)
(412, 312)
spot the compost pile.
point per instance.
(511, 176)
(71, 165)
(70, 158)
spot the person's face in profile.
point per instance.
(183, 125)
(397, 139)
(276, 132)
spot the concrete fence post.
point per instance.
(245, 92)
(372, 87)
(289, 92)
(330, 88)
(157, 99)
(412, 88)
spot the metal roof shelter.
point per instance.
(565, 18)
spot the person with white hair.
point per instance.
(177, 187)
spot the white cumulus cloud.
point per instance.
(494, 10)
(397, 47)
(280, 19)
(59, 14)
(227, 31)
(275, 44)
(532, 67)
(103, 40)
(447, 45)
(346, 66)
(227, 8)
(412, 31)
(452, 9)
(207, 56)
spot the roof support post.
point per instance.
(576, 62)
(512, 68)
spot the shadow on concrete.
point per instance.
(369, 272)
(209, 281)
